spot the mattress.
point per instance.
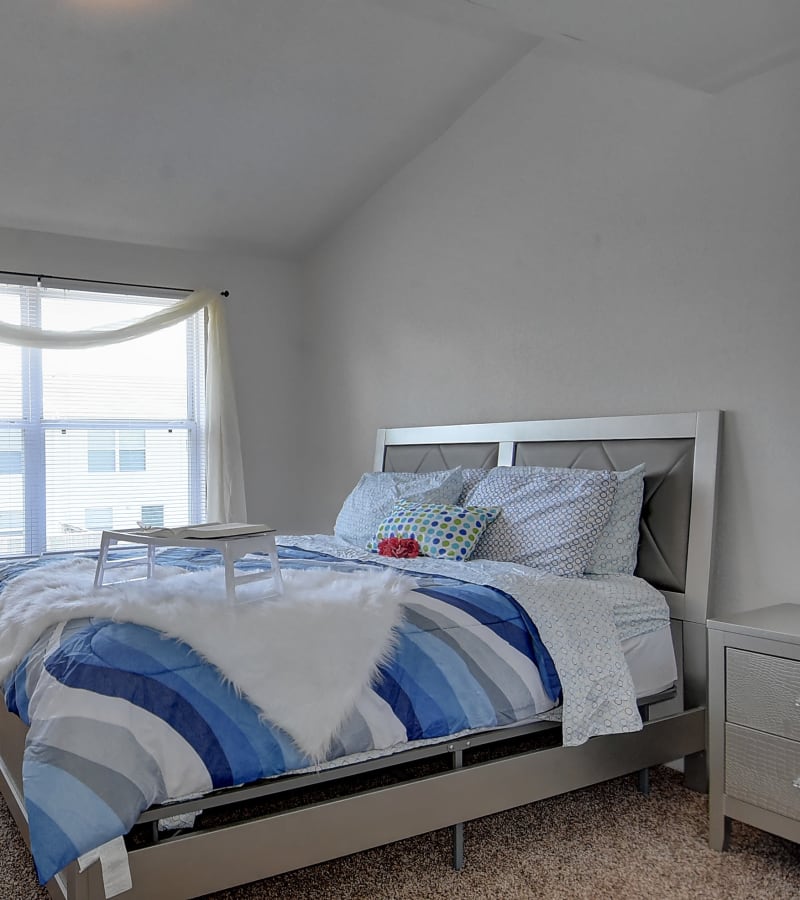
(651, 660)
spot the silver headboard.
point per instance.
(680, 453)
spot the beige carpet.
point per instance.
(606, 841)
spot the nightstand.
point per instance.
(754, 722)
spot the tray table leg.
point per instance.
(229, 557)
(232, 551)
(99, 572)
(277, 579)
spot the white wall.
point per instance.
(584, 240)
(264, 329)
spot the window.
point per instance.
(99, 517)
(116, 451)
(11, 520)
(97, 438)
(100, 451)
(152, 516)
(131, 451)
(10, 453)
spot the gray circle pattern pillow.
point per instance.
(551, 519)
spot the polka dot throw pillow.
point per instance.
(443, 531)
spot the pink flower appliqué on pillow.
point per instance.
(399, 548)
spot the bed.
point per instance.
(323, 811)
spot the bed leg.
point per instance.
(695, 772)
(643, 775)
(458, 846)
(457, 830)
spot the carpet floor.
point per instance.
(605, 842)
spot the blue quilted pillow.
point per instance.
(372, 499)
(441, 530)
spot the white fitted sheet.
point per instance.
(651, 660)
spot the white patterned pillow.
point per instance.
(471, 478)
(551, 518)
(441, 530)
(372, 499)
(616, 550)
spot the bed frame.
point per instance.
(680, 451)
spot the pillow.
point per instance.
(551, 518)
(471, 478)
(372, 499)
(441, 530)
(615, 552)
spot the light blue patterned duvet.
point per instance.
(122, 718)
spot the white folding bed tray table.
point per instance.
(232, 548)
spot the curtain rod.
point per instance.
(150, 287)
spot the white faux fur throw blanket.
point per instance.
(302, 658)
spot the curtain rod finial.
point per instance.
(224, 293)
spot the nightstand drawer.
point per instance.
(763, 770)
(763, 692)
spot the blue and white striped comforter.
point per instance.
(122, 718)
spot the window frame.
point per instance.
(34, 426)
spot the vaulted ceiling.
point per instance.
(259, 124)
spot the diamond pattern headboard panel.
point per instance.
(664, 529)
(431, 458)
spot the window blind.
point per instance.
(99, 438)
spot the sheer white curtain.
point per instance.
(225, 474)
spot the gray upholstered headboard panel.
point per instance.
(679, 452)
(664, 528)
(433, 457)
